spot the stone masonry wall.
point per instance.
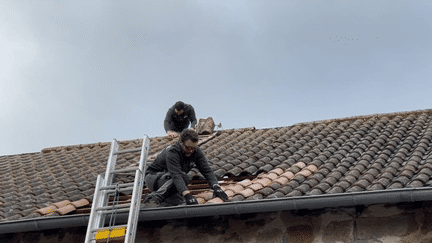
(380, 223)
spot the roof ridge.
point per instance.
(231, 130)
(88, 145)
(377, 115)
(70, 147)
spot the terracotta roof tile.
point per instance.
(289, 175)
(272, 176)
(323, 186)
(282, 180)
(336, 189)
(355, 189)
(47, 210)
(403, 180)
(237, 198)
(416, 183)
(245, 183)
(236, 188)
(200, 200)
(66, 209)
(396, 185)
(376, 152)
(305, 173)
(206, 195)
(285, 189)
(256, 196)
(230, 193)
(384, 181)
(294, 193)
(215, 200)
(422, 177)
(266, 191)
(255, 186)
(264, 182)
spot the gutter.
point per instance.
(230, 208)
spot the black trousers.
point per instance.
(163, 188)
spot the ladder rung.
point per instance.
(125, 170)
(128, 151)
(113, 206)
(114, 186)
(121, 210)
(126, 189)
(107, 228)
(123, 190)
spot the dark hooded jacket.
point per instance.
(174, 160)
(177, 123)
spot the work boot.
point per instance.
(173, 200)
(150, 202)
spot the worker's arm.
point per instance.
(192, 117)
(168, 123)
(204, 168)
(174, 168)
(209, 175)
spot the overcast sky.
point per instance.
(78, 72)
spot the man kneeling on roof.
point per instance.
(178, 118)
(167, 175)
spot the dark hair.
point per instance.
(188, 134)
(179, 105)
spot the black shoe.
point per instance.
(150, 202)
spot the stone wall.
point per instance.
(373, 224)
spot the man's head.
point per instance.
(188, 141)
(179, 107)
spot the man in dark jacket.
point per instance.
(167, 175)
(178, 118)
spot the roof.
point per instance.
(330, 157)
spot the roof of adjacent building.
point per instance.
(362, 153)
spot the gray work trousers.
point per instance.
(163, 189)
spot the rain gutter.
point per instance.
(230, 208)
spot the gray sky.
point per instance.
(78, 72)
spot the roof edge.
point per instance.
(377, 115)
(231, 130)
(232, 208)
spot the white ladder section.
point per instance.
(104, 188)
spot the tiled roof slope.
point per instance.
(376, 152)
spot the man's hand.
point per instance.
(190, 200)
(218, 192)
(172, 134)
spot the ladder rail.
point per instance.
(137, 193)
(104, 187)
(144, 154)
(112, 161)
(94, 220)
(132, 218)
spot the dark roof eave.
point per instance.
(229, 208)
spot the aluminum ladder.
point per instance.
(104, 188)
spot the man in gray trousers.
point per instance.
(167, 179)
